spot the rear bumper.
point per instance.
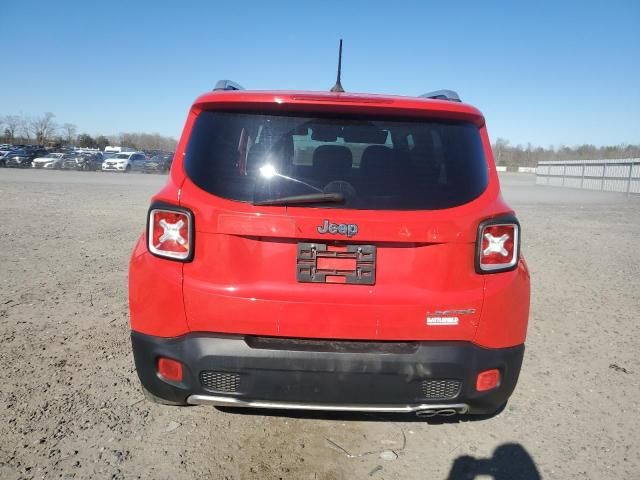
(265, 372)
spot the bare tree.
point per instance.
(499, 149)
(86, 141)
(69, 130)
(25, 129)
(43, 127)
(529, 156)
(147, 141)
(13, 124)
(102, 142)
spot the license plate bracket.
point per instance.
(336, 264)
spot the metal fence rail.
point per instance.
(620, 175)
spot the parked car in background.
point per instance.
(50, 160)
(82, 161)
(158, 163)
(69, 161)
(3, 155)
(4, 149)
(113, 149)
(124, 162)
(22, 158)
(89, 161)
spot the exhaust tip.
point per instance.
(447, 412)
(444, 412)
(426, 413)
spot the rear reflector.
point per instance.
(170, 369)
(170, 233)
(498, 245)
(487, 380)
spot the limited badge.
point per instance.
(447, 317)
(442, 320)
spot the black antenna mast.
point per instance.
(338, 86)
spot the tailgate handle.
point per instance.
(308, 271)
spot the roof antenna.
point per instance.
(338, 86)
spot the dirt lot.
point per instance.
(72, 408)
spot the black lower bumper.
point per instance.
(266, 371)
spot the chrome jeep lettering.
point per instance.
(348, 229)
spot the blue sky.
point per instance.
(549, 73)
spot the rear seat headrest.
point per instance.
(378, 159)
(332, 159)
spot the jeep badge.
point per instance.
(348, 229)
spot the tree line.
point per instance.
(529, 156)
(44, 130)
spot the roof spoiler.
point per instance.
(227, 85)
(443, 95)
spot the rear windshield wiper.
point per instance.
(309, 198)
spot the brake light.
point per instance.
(170, 233)
(498, 245)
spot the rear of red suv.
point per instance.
(331, 251)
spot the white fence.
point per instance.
(621, 175)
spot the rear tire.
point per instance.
(161, 401)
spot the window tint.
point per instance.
(375, 163)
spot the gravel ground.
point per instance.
(72, 407)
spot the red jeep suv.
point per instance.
(330, 251)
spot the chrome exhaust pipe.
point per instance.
(427, 413)
(430, 412)
(447, 412)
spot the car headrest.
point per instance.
(364, 134)
(332, 159)
(378, 160)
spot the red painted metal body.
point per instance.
(243, 280)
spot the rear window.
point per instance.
(379, 164)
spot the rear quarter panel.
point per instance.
(155, 294)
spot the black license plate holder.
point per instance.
(307, 270)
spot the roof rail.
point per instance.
(443, 95)
(227, 85)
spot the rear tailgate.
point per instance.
(416, 188)
(245, 278)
